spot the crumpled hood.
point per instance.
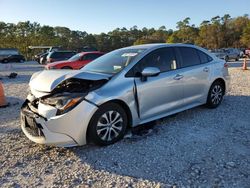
(47, 80)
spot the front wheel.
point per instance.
(215, 95)
(108, 124)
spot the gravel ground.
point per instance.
(196, 148)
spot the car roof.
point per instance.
(158, 45)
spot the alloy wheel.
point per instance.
(216, 94)
(109, 125)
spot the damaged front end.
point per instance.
(70, 93)
(44, 116)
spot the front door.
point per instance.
(163, 93)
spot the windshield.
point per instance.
(75, 57)
(113, 62)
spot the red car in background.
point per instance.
(75, 62)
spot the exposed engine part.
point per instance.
(74, 85)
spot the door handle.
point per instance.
(205, 69)
(178, 77)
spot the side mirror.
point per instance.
(150, 71)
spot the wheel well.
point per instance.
(125, 107)
(222, 82)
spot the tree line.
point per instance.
(219, 32)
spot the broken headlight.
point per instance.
(64, 103)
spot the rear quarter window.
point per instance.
(204, 58)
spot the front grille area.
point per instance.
(33, 128)
(29, 123)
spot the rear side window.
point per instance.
(189, 56)
(204, 58)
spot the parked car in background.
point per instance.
(247, 52)
(121, 89)
(37, 57)
(232, 54)
(14, 58)
(5, 52)
(241, 52)
(59, 56)
(75, 62)
(43, 58)
(220, 53)
(227, 54)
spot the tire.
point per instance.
(5, 61)
(215, 94)
(101, 131)
(226, 58)
(237, 58)
(66, 67)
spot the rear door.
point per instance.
(195, 70)
(160, 94)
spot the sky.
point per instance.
(96, 16)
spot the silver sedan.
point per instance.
(124, 88)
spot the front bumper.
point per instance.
(64, 130)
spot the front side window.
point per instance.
(163, 58)
(189, 56)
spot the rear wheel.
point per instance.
(215, 94)
(108, 124)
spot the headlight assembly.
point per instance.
(63, 103)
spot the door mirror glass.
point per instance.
(150, 71)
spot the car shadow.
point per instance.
(195, 143)
(170, 148)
